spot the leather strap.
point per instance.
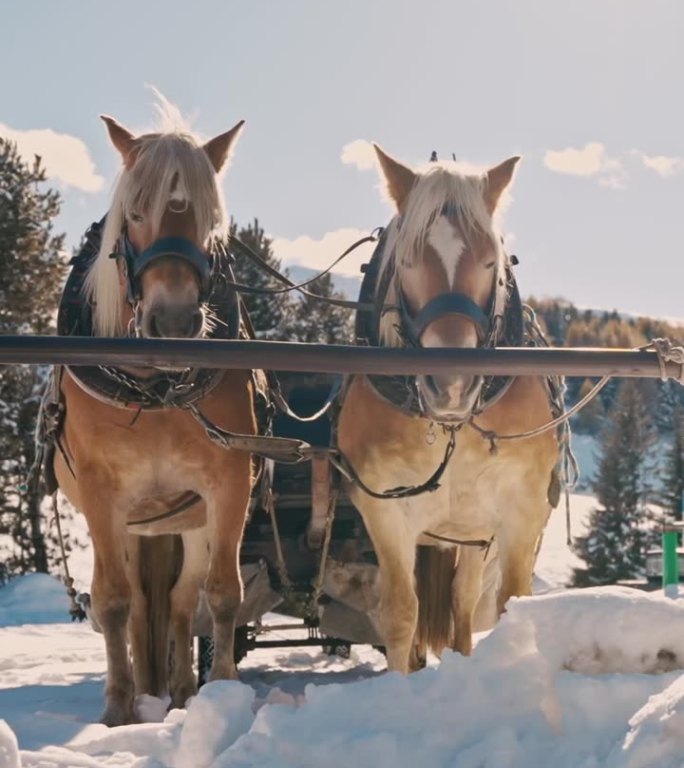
(444, 304)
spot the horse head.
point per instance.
(448, 269)
(155, 266)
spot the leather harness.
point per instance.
(120, 388)
(505, 330)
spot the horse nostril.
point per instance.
(431, 385)
(153, 328)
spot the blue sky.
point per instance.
(590, 92)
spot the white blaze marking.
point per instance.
(447, 244)
(179, 193)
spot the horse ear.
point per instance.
(498, 178)
(220, 147)
(121, 138)
(399, 178)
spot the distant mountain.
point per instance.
(346, 284)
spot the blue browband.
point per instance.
(444, 304)
(175, 247)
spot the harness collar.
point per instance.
(116, 387)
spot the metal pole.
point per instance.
(329, 358)
(670, 560)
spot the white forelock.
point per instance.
(167, 165)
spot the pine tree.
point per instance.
(590, 418)
(270, 314)
(31, 273)
(613, 547)
(316, 321)
(672, 478)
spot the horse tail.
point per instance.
(434, 578)
(161, 558)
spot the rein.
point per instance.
(340, 462)
(245, 250)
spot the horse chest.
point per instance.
(470, 502)
(145, 464)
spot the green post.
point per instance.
(670, 561)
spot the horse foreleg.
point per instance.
(518, 549)
(184, 598)
(111, 599)
(466, 591)
(137, 619)
(486, 615)
(227, 511)
(396, 552)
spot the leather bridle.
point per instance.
(135, 264)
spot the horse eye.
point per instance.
(490, 265)
(137, 218)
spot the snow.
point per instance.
(568, 678)
(33, 599)
(9, 749)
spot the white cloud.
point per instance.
(662, 164)
(65, 158)
(590, 161)
(304, 251)
(359, 153)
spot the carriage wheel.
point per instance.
(205, 656)
(241, 644)
(341, 649)
(205, 652)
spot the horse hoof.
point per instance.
(224, 674)
(179, 698)
(116, 714)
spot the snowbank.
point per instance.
(571, 679)
(578, 679)
(35, 598)
(9, 749)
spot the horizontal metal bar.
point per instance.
(297, 643)
(329, 358)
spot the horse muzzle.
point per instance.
(449, 398)
(164, 321)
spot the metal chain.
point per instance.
(176, 389)
(75, 608)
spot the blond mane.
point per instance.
(169, 160)
(446, 185)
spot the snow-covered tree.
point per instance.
(316, 321)
(590, 418)
(31, 273)
(672, 477)
(614, 546)
(270, 313)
